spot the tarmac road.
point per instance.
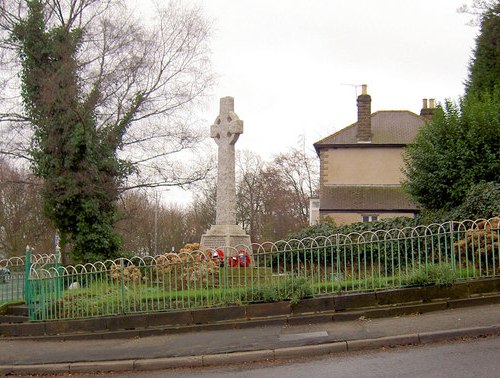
(479, 357)
(234, 346)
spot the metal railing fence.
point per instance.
(13, 274)
(284, 270)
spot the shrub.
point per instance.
(292, 289)
(436, 274)
(481, 201)
(314, 251)
(479, 243)
(327, 229)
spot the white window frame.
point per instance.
(369, 218)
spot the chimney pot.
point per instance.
(364, 89)
(427, 108)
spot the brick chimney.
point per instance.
(427, 109)
(364, 127)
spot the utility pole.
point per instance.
(156, 224)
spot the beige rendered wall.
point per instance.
(348, 218)
(359, 166)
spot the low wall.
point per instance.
(327, 308)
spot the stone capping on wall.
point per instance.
(327, 308)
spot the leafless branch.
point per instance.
(164, 60)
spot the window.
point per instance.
(370, 218)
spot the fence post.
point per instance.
(122, 280)
(57, 266)
(27, 270)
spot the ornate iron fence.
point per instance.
(13, 274)
(282, 270)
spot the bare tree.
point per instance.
(107, 100)
(280, 213)
(164, 62)
(273, 197)
(149, 226)
(21, 219)
(202, 212)
(477, 8)
(250, 191)
(299, 172)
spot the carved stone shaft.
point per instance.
(225, 131)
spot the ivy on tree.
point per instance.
(77, 161)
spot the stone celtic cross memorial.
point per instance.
(225, 131)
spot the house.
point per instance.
(360, 165)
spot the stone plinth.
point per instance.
(225, 235)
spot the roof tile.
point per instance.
(388, 127)
(334, 198)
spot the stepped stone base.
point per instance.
(225, 235)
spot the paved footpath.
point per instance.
(239, 345)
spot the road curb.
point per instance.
(238, 357)
(310, 350)
(168, 363)
(35, 369)
(250, 356)
(388, 341)
(102, 366)
(429, 337)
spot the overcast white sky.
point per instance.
(291, 64)
(287, 62)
